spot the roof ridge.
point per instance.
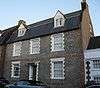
(38, 22)
(52, 18)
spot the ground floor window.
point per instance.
(57, 68)
(97, 79)
(15, 70)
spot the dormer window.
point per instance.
(59, 19)
(21, 32)
(0, 33)
(22, 29)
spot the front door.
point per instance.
(32, 71)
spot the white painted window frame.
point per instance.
(37, 44)
(59, 18)
(53, 41)
(21, 30)
(52, 67)
(12, 69)
(15, 46)
(37, 70)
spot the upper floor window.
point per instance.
(17, 48)
(96, 64)
(57, 68)
(21, 30)
(59, 19)
(35, 46)
(57, 42)
(15, 71)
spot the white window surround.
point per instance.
(59, 19)
(37, 69)
(21, 30)
(35, 46)
(57, 42)
(52, 68)
(17, 48)
(13, 68)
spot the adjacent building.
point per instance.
(51, 51)
(92, 55)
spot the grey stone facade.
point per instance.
(73, 59)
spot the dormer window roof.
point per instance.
(59, 19)
(22, 29)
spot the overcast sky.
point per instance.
(11, 11)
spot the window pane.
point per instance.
(35, 47)
(57, 42)
(57, 22)
(58, 69)
(15, 69)
(96, 64)
(61, 20)
(17, 49)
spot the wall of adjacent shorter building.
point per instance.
(73, 54)
(92, 55)
(0, 60)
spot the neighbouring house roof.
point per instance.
(94, 43)
(42, 28)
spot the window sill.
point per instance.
(15, 55)
(59, 26)
(35, 53)
(57, 50)
(15, 77)
(59, 78)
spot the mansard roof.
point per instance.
(94, 43)
(42, 28)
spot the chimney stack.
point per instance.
(84, 4)
(21, 22)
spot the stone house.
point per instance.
(51, 51)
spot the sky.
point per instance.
(11, 11)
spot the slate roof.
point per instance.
(42, 28)
(94, 43)
(6, 34)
